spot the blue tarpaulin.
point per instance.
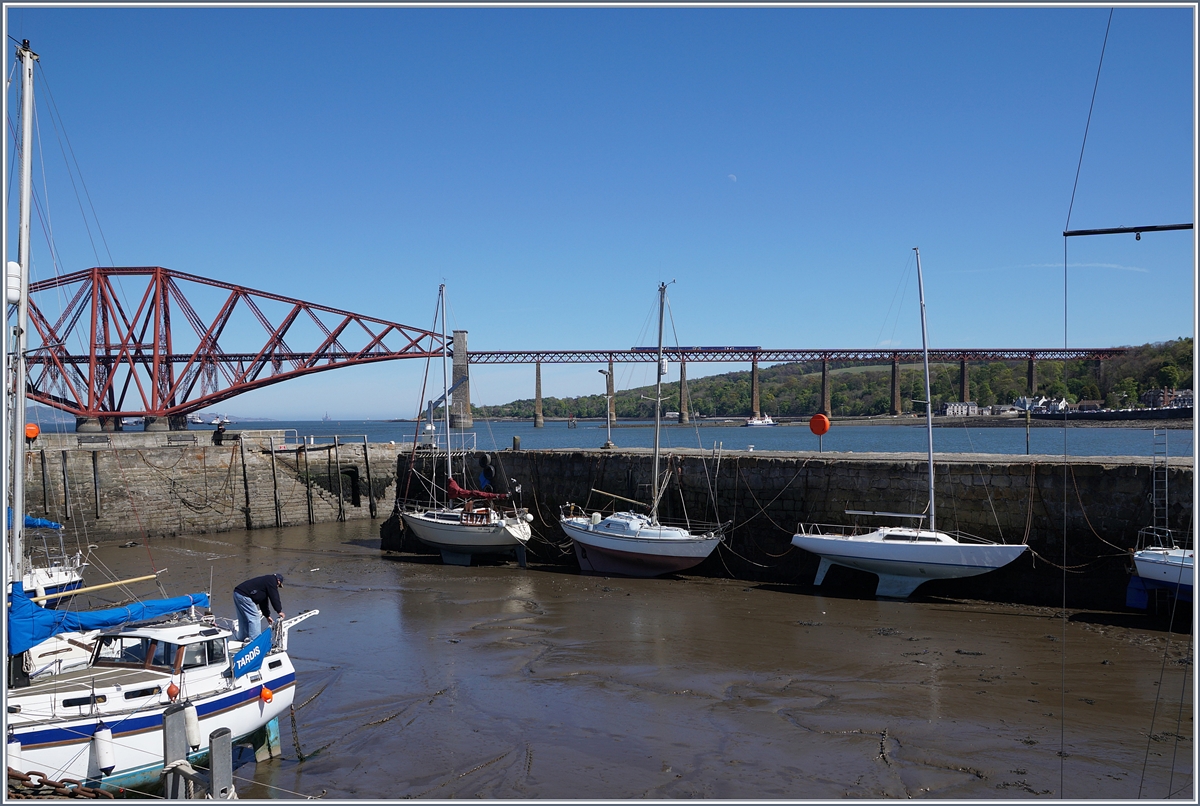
(34, 523)
(29, 625)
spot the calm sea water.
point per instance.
(1079, 441)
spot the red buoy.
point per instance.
(819, 424)
(32, 431)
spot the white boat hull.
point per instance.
(446, 530)
(59, 579)
(902, 565)
(630, 545)
(1172, 567)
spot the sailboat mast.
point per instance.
(928, 396)
(445, 389)
(662, 297)
(17, 377)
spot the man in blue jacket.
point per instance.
(254, 597)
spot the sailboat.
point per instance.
(51, 570)
(904, 557)
(477, 525)
(632, 543)
(102, 723)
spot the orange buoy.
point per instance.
(819, 424)
(172, 692)
(266, 695)
(32, 431)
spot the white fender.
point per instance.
(103, 754)
(14, 753)
(191, 720)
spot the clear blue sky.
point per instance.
(553, 165)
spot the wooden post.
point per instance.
(245, 482)
(338, 464)
(367, 463)
(307, 481)
(96, 480)
(275, 484)
(45, 484)
(66, 490)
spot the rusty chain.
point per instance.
(22, 786)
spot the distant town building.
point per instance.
(1167, 398)
(968, 409)
(1090, 405)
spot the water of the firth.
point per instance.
(1048, 440)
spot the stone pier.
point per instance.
(538, 420)
(460, 411)
(754, 407)
(683, 393)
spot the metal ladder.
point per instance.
(1158, 494)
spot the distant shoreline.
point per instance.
(917, 421)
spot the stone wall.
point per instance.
(153, 489)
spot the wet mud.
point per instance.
(431, 681)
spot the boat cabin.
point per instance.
(173, 650)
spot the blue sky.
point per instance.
(551, 166)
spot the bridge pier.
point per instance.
(538, 420)
(825, 391)
(683, 394)
(96, 425)
(612, 395)
(754, 388)
(1032, 374)
(460, 414)
(964, 382)
(896, 408)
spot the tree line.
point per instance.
(794, 390)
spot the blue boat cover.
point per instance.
(29, 624)
(34, 523)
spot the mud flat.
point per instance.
(431, 681)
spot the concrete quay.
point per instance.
(138, 485)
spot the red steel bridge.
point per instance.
(140, 348)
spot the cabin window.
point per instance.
(193, 656)
(164, 654)
(76, 702)
(216, 650)
(122, 650)
(143, 692)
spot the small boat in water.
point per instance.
(905, 557)
(759, 422)
(630, 543)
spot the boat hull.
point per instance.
(60, 747)
(902, 565)
(1166, 568)
(445, 531)
(649, 552)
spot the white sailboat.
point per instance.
(102, 724)
(905, 557)
(479, 524)
(51, 570)
(630, 543)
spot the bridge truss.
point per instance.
(134, 359)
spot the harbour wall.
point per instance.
(126, 488)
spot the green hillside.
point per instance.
(794, 390)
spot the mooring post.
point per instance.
(245, 481)
(96, 480)
(275, 484)
(45, 483)
(66, 489)
(175, 748)
(896, 384)
(538, 420)
(683, 395)
(307, 481)
(220, 764)
(337, 462)
(367, 464)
